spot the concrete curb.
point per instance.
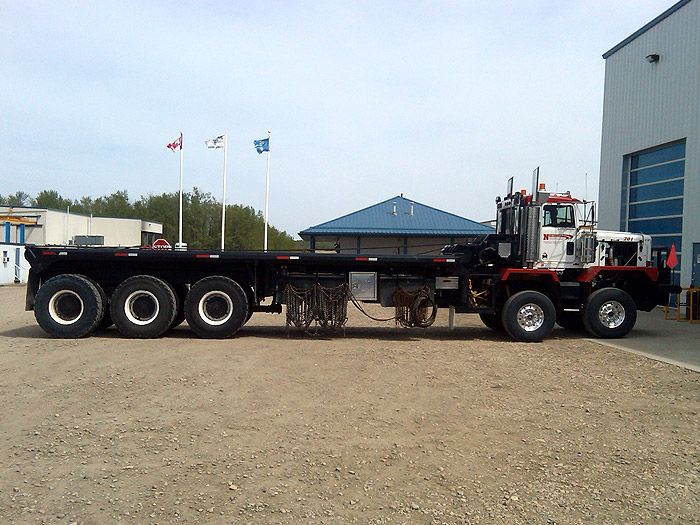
(655, 357)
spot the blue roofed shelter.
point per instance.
(394, 226)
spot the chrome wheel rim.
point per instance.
(141, 307)
(611, 314)
(215, 308)
(66, 307)
(530, 317)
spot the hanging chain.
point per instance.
(327, 308)
(319, 306)
(416, 309)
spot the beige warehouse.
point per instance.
(46, 226)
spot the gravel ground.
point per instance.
(382, 425)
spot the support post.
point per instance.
(67, 224)
(223, 198)
(179, 225)
(451, 318)
(267, 188)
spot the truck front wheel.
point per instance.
(216, 307)
(143, 307)
(609, 313)
(68, 306)
(528, 316)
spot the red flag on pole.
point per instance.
(176, 144)
(672, 259)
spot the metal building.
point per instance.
(394, 226)
(28, 225)
(650, 154)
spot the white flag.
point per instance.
(215, 143)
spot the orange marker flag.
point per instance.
(672, 260)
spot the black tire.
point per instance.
(493, 321)
(570, 321)
(528, 316)
(179, 317)
(68, 306)
(180, 294)
(609, 313)
(216, 307)
(143, 307)
(106, 320)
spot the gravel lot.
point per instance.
(383, 425)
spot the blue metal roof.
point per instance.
(379, 220)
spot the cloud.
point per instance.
(440, 100)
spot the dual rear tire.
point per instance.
(143, 307)
(216, 307)
(69, 306)
(610, 313)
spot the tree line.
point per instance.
(201, 217)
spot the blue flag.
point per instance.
(262, 145)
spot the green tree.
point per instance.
(84, 205)
(19, 198)
(201, 217)
(161, 208)
(51, 199)
(115, 205)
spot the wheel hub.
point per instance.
(66, 307)
(530, 317)
(141, 307)
(611, 314)
(215, 308)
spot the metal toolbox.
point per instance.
(447, 283)
(363, 285)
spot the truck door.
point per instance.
(557, 246)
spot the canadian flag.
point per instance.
(177, 143)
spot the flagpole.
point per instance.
(223, 198)
(267, 188)
(180, 219)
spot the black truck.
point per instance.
(597, 282)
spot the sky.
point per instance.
(440, 100)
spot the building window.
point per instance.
(148, 238)
(652, 194)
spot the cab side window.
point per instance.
(565, 216)
(558, 216)
(550, 216)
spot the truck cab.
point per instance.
(559, 232)
(568, 239)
